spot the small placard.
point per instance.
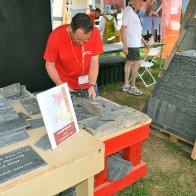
(18, 162)
(58, 114)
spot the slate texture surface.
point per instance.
(18, 162)
(172, 105)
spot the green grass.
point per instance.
(170, 170)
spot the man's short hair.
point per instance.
(82, 21)
(97, 10)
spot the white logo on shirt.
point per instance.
(87, 52)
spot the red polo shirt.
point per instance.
(59, 50)
(92, 17)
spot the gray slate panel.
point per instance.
(11, 90)
(8, 115)
(13, 125)
(36, 123)
(30, 105)
(18, 162)
(13, 137)
(43, 143)
(117, 167)
(172, 105)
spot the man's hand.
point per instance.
(125, 50)
(148, 45)
(91, 92)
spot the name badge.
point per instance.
(83, 79)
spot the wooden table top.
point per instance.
(77, 159)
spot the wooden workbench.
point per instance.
(129, 141)
(75, 162)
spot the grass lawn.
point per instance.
(170, 171)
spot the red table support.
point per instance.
(130, 142)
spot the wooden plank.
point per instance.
(175, 139)
(193, 155)
(174, 50)
(173, 135)
(85, 188)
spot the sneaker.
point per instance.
(135, 91)
(125, 88)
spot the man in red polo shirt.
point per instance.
(72, 54)
(95, 14)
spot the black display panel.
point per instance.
(24, 29)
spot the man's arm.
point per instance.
(123, 38)
(145, 43)
(93, 74)
(52, 72)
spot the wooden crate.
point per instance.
(186, 145)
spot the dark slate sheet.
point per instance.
(172, 105)
(18, 162)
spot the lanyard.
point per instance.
(83, 54)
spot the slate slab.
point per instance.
(18, 162)
(13, 137)
(11, 90)
(117, 167)
(35, 123)
(30, 105)
(8, 115)
(13, 125)
(43, 143)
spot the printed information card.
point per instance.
(58, 114)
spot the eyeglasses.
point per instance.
(78, 40)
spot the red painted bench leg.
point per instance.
(133, 153)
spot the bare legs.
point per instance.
(131, 66)
(127, 70)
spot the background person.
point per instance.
(95, 14)
(72, 54)
(114, 13)
(110, 29)
(131, 35)
(150, 8)
(119, 17)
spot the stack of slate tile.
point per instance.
(117, 167)
(172, 105)
(12, 127)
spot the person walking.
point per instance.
(131, 35)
